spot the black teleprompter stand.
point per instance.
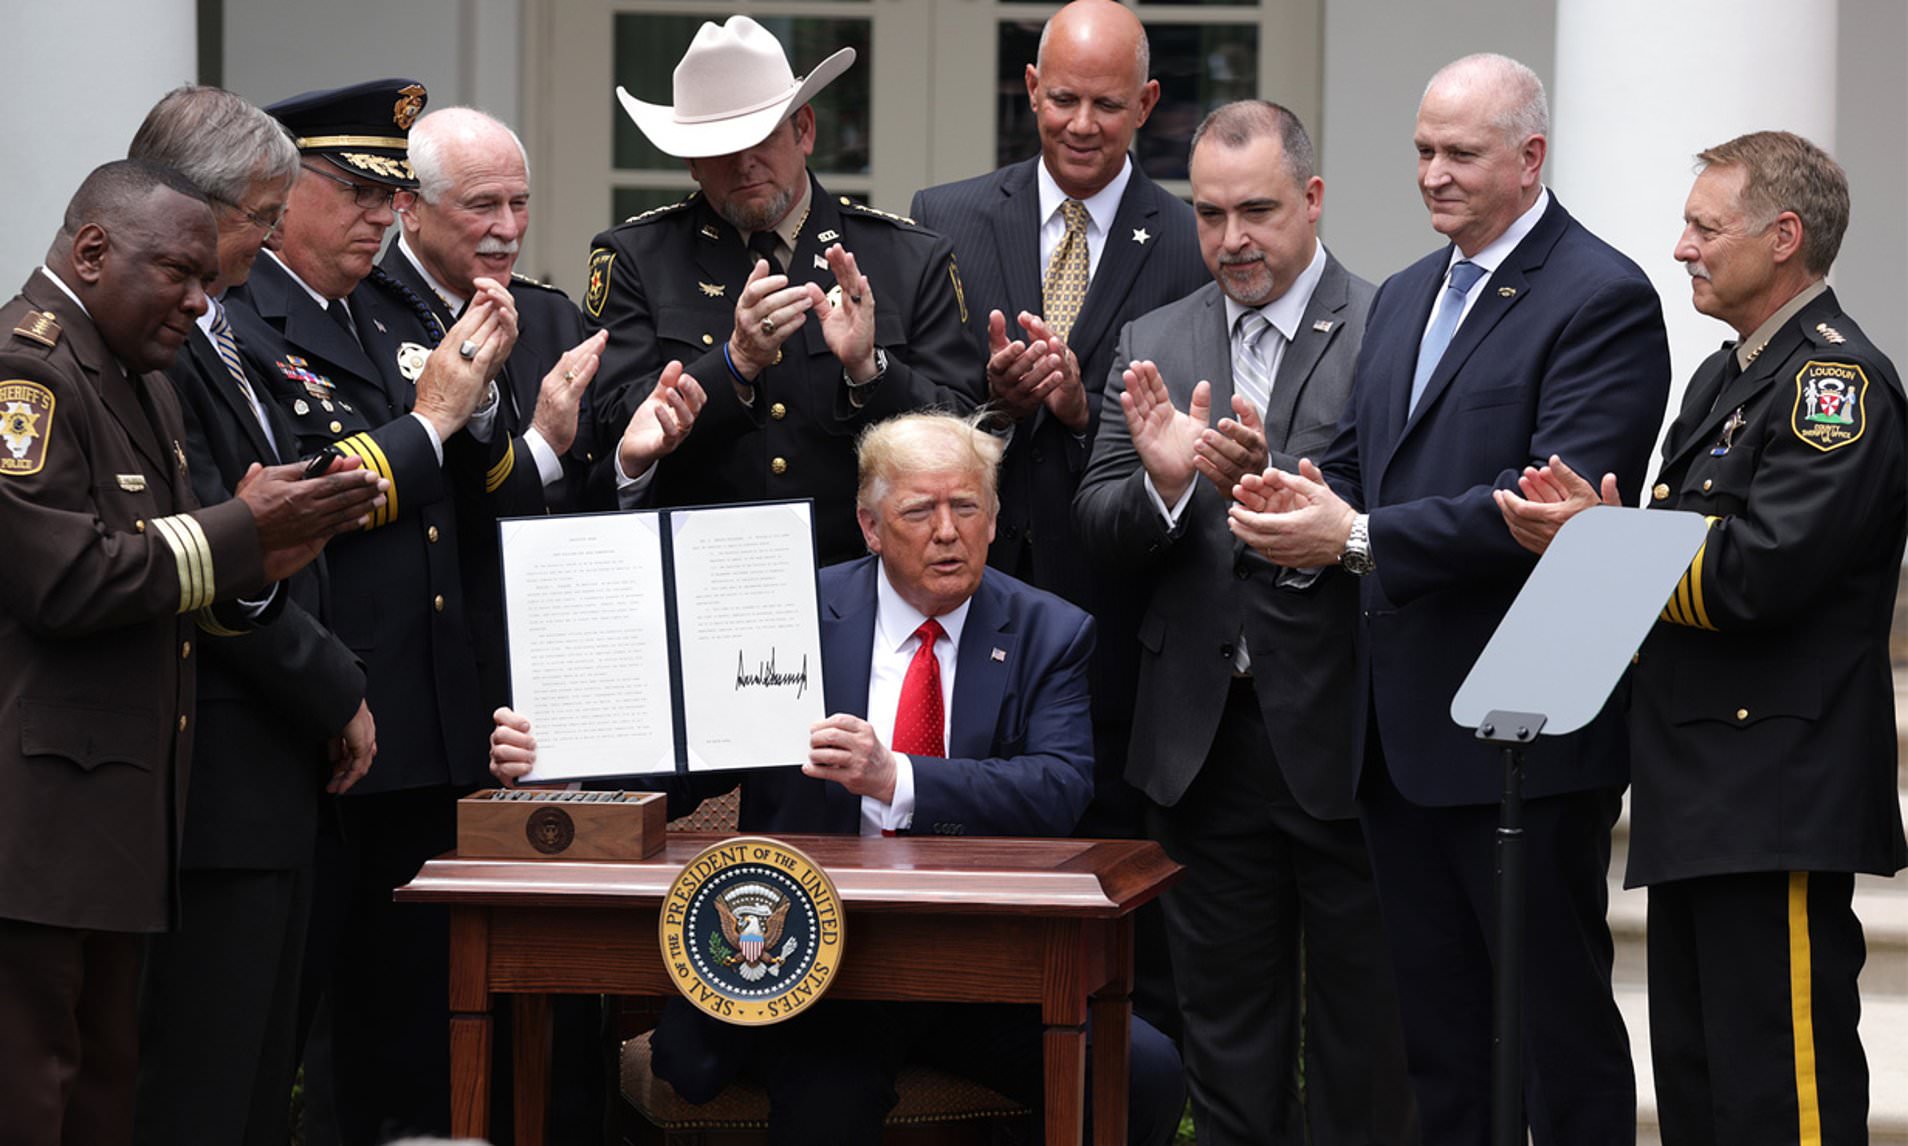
(1510, 731)
(1583, 612)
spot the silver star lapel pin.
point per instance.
(1140, 236)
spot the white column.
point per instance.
(1643, 85)
(79, 77)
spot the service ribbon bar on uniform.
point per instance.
(194, 557)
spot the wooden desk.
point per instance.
(928, 918)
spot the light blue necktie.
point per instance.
(1464, 275)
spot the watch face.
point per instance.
(1357, 562)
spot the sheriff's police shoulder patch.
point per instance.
(601, 260)
(751, 931)
(26, 425)
(1829, 411)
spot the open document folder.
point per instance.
(676, 640)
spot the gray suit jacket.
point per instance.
(1204, 588)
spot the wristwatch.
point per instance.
(857, 391)
(1356, 559)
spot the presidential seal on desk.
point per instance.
(751, 931)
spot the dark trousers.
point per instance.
(1276, 917)
(387, 999)
(69, 1046)
(1753, 1009)
(1434, 868)
(830, 1070)
(218, 1011)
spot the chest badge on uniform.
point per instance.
(410, 361)
(751, 931)
(301, 407)
(26, 423)
(828, 236)
(821, 262)
(601, 260)
(712, 290)
(1829, 412)
(1728, 439)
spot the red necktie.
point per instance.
(918, 721)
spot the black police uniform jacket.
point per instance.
(1763, 712)
(498, 478)
(271, 698)
(396, 590)
(110, 561)
(665, 285)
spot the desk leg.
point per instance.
(470, 1025)
(1112, 1012)
(1065, 1054)
(531, 1063)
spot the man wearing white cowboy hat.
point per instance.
(768, 290)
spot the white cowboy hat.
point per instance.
(733, 87)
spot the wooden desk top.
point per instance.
(947, 875)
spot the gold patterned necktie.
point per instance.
(1066, 284)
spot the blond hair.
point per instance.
(929, 441)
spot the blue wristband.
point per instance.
(733, 372)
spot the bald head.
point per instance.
(1090, 94)
(473, 198)
(1103, 28)
(1507, 92)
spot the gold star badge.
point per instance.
(712, 290)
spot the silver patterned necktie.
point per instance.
(1251, 373)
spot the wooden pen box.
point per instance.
(522, 823)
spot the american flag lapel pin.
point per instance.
(999, 654)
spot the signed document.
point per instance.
(664, 641)
(750, 633)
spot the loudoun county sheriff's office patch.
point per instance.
(1828, 404)
(26, 425)
(751, 931)
(601, 260)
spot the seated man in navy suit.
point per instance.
(982, 682)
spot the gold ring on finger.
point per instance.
(768, 326)
(569, 375)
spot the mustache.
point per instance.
(1697, 271)
(489, 245)
(1242, 260)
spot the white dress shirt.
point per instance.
(894, 647)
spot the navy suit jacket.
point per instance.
(1564, 352)
(993, 221)
(1020, 737)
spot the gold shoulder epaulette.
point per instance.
(877, 212)
(41, 327)
(526, 280)
(1830, 334)
(656, 212)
